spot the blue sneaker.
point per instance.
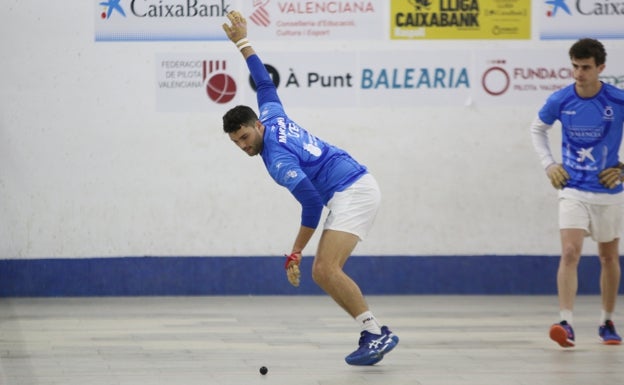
(391, 342)
(608, 335)
(372, 347)
(563, 334)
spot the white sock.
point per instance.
(368, 322)
(604, 315)
(566, 315)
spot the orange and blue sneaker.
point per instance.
(372, 347)
(608, 335)
(563, 334)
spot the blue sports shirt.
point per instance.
(307, 166)
(591, 133)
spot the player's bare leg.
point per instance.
(334, 249)
(567, 285)
(567, 274)
(609, 285)
(609, 274)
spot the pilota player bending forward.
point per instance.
(317, 174)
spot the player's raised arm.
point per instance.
(237, 33)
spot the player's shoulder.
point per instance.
(271, 110)
(564, 93)
(561, 96)
(613, 93)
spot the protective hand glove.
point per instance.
(558, 175)
(292, 268)
(612, 176)
(238, 29)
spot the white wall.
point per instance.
(88, 167)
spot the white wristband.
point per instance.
(241, 42)
(244, 46)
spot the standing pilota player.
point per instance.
(317, 174)
(591, 202)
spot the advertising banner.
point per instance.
(512, 77)
(516, 78)
(574, 19)
(460, 19)
(441, 77)
(204, 82)
(199, 20)
(192, 82)
(214, 82)
(316, 20)
(160, 20)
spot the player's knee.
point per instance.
(570, 255)
(321, 272)
(318, 275)
(609, 259)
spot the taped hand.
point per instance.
(558, 175)
(238, 28)
(611, 177)
(292, 268)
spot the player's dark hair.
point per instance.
(587, 48)
(237, 117)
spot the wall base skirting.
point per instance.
(172, 276)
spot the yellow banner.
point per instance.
(460, 19)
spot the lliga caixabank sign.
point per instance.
(160, 20)
(460, 19)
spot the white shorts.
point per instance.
(602, 222)
(354, 209)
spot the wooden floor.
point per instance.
(445, 340)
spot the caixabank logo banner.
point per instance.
(573, 19)
(160, 20)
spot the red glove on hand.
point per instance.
(292, 268)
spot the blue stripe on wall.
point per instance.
(146, 276)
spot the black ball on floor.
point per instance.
(263, 370)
